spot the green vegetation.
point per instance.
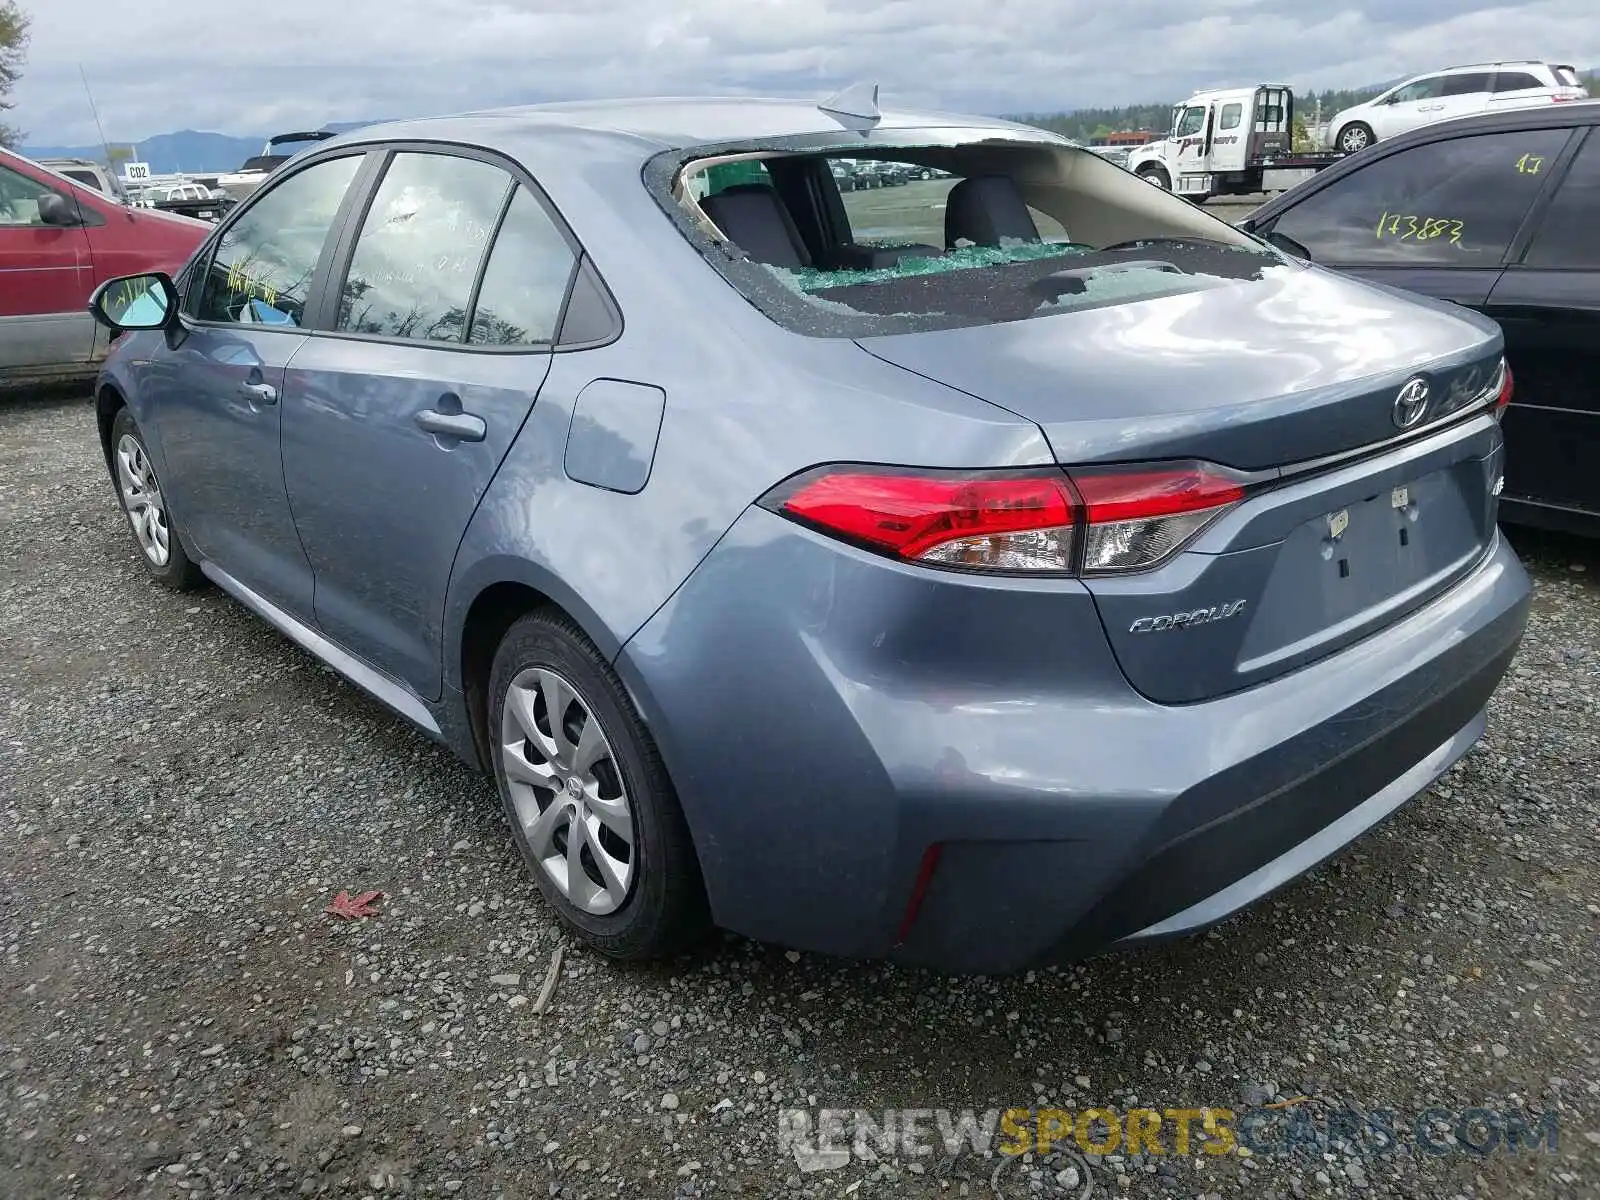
(13, 46)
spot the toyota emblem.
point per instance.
(1411, 405)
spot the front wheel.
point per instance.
(1156, 176)
(588, 798)
(139, 493)
(1355, 137)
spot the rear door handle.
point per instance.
(462, 426)
(259, 393)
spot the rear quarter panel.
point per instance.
(747, 404)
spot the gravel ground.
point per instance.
(184, 792)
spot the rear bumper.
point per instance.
(827, 717)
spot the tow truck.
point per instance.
(1231, 142)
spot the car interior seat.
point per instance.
(755, 218)
(983, 209)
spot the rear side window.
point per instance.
(1516, 81)
(1466, 85)
(261, 271)
(525, 283)
(87, 178)
(1231, 114)
(1452, 203)
(421, 243)
(1569, 236)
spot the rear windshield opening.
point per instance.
(1567, 77)
(863, 240)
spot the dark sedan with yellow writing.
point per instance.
(1501, 214)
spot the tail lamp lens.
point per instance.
(1507, 386)
(982, 522)
(1136, 518)
(1096, 520)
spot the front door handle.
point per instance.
(462, 426)
(259, 393)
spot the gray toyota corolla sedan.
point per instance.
(980, 572)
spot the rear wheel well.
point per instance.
(106, 403)
(495, 610)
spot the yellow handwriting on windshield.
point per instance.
(1529, 164)
(241, 283)
(1402, 227)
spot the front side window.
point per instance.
(1231, 114)
(262, 268)
(417, 256)
(19, 198)
(525, 283)
(1451, 203)
(1422, 89)
(1569, 236)
(1192, 121)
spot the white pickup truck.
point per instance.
(1232, 142)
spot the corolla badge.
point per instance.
(1411, 405)
(1184, 620)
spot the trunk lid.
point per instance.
(1273, 378)
(1294, 366)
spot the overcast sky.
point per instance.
(259, 68)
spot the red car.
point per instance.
(58, 242)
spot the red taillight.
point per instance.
(1137, 518)
(1118, 495)
(1096, 520)
(994, 522)
(1506, 388)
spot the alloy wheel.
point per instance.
(141, 497)
(567, 791)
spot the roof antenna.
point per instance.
(859, 100)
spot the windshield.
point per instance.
(1567, 77)
(925, 237)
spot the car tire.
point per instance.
(155, 533)
(1355, 137)
(1157, 176)
(632, 890)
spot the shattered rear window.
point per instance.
(852, 236)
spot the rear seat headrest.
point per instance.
(982, 209)
(755, 219)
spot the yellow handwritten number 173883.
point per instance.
(1422, 229)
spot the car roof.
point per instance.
(665, 123)
(1485, 66)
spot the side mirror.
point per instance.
(56, 209)
(1288, 245)
(136, 302)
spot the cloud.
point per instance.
(248, 69)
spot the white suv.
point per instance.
(1453, 92)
